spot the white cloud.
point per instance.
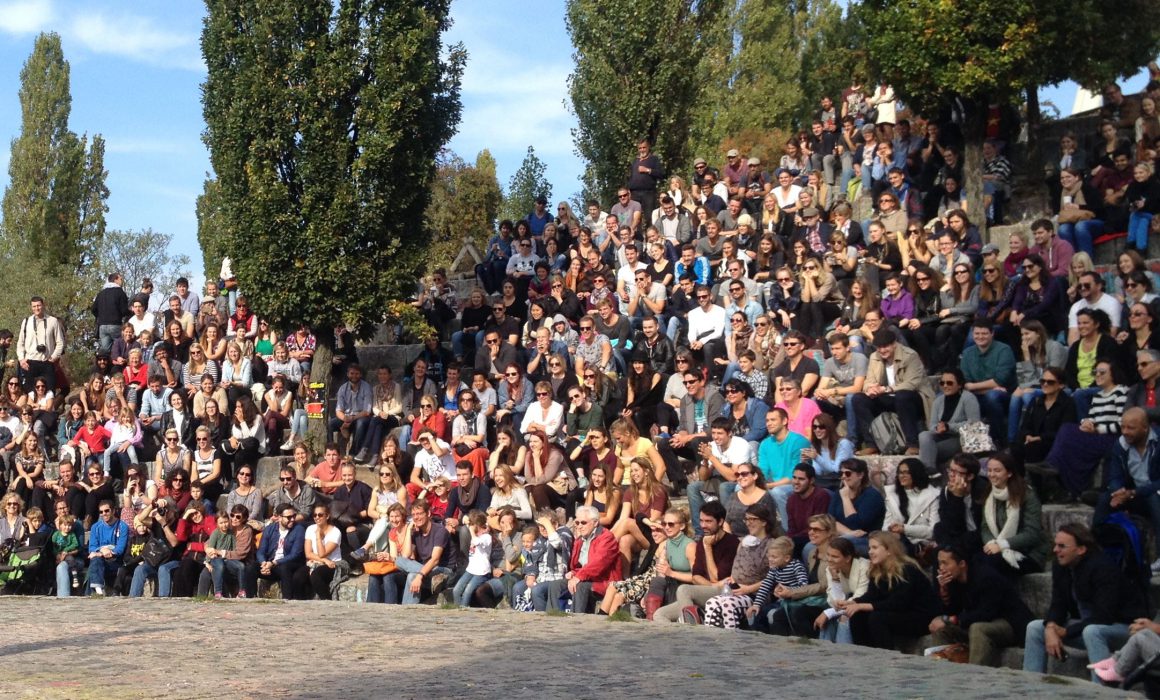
(138, 38)
(25, 16)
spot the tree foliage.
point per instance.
(138, 254)
(465, 201)
(323, 124)
(55, 200)
(527, 183)
(640, 71)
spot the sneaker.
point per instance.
(359, 554)
(99, 591)
(362, 455)
(217, 596)
(1156, 567)
(76, 580)
(288, 445)
(241, 595)
(1108, 675)
(690, 615)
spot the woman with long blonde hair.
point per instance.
(899, 601)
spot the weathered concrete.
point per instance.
(184, 649)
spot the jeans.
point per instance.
(457, 345)
(220, 566)
(1015, 411)
(140, 575)
(546, 594)
(109, 333)
(1098, 640)
(358, 439)
(837, 631)
(780, 496)
(465, 588)
(99, 569)
(384, 588)
(1083, 400)
(696, 502)
(993, 405)
(63, 579)
(165, 578)
(121, 457)
(1138, 223)
(1081, 234)
(412, 568)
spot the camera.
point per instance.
(41, 348)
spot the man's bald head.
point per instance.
(1135, 426)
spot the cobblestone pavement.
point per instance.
(259, 649)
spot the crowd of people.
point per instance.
(739, 338)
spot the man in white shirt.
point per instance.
(1091, 296)
(720, 456)
(39, 346)
(707, 329)
(596, 216)
(141, 320)
(672, 222)
(626, 275)
(646, 298)
(433, 460)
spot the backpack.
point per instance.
(1121, 540)
(886, 431)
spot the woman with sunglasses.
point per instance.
(1043, 419)
(1037, 297)
(827, 451)
(1079, 449)
(1138, 290)
(206, 462)
(42, 402)
(322, 556)
(175, 490)
(920, 328)
(1036, 353)
(670, 566)
(821, 298)
(952, 408)
(515, 394)
(428, 419)
(247, 494)
(959, 304)
(27, 466)
(784, 298)
(857, 507)
(750, 492)
(14, 395)
(544, 415)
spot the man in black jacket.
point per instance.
(960, 506)
(980, 607)
(1092, 603)
(111, 309)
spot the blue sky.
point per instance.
(137, 69)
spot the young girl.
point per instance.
(67, 548)
(783, 570)
(91, 439)
(126, 434)
(478, 559)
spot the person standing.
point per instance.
(111, 310)
(643, 176)
(39, 346)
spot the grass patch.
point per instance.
(803, 640)
(1056, 680)
(621, 616)
(555, 613)
(448, 606)
(696, 675)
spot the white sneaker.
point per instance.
(286, 446)
(98, 590)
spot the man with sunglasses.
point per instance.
(1091, 296)
(707, 324)
(282, 551)
(493, 355)
(293, 492)
(700, 405)
(107, 540)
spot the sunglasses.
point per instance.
(791, 343)
(285, 478)
(785, 279)
(235, 517)
(737, 320)
(702, 296)
(1048, 382)
(690, 382)
(244, 474)
(921, 279)
(811, 267)
(962, 272)
(819, 426)
(741, 474)
(989, 271)
(946, 383)
(585, 328)
(761, 324)
(670, 523)
(543, 393)
(732, 390)
(589, 376)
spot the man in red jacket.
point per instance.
(595, 560)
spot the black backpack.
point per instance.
(1122, 541)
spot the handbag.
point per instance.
(156, 552)
(975, 437)
(379, 568)
(955, 653)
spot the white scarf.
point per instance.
(1010, 527)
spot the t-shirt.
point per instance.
(424, 545)
(332, 536)
(435, 466)
(479, 555)
(736, 452)
(324, 473)
(776, 460)
(845, 375)
(807, 365)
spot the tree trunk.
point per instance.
(973, 134)
(320, 374)
(1033, 163)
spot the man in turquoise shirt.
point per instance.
(989, 368)
(777, 455)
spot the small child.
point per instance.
(784, 570)
(66, 547)
(221, 541)
(478, 559)
(197, 493)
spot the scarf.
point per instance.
(1010, 527)
(467, 497)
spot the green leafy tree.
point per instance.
(323, 123)
(465, 201)
(527, 183)
(936, 54)
(55, 199)
(641, 69)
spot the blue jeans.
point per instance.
(696, 502)
(383, 589)
(993, 405)
(1015, 411)
(219, 567)
(109, 333)
(780, 495)
(64, 578)
(457, 347)
(165, 578)
(412, 568)
(1098, 640)
(465, 588)
(730, 369)
(1138, 223)
(1083, 400)
(100, 569)
(125, 458)
(358, 438)
(141, 574)
(837, 631)
(1081, 234)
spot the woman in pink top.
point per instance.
(801, 410)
